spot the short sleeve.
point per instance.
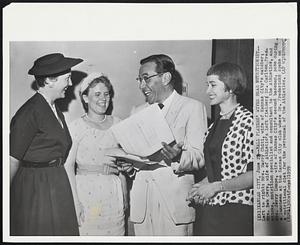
(23, 128)
(77, 129)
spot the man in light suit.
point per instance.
(158, 197)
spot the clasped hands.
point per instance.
(202, 192)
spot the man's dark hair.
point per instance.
(163, 64)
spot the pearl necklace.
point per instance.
(231, 110)
(97, 122)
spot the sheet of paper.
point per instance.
(141, 134)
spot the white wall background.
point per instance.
(119, 60)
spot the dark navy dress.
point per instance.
(41, 199)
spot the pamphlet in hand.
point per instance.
(138, 162)
(142, 133)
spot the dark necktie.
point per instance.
(160, 105)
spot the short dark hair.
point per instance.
(232, 75)
(163, 62)
(40, 80)
(101, 79)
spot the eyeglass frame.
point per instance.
(141, 79)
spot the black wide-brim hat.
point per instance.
(51, 64)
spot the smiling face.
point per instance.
(98, 99)
(60, 84)
(216, 90)
(152, 88)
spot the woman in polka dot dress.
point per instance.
(227, 192)
(99, 189)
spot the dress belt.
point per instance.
(92, 169)
(53, 163)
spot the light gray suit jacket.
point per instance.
(187, 119)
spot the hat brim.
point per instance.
(58, 67)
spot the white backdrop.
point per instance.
(119, 60)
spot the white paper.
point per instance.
(142, 133)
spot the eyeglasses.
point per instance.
(146, 79)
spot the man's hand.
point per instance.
(171, 153)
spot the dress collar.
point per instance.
(47, 99)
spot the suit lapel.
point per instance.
(174, 109)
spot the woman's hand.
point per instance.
(201, 192)
(110, 166)
(118, 165)
(14, 165)
(80, 213)
(125, 166)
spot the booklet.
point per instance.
(141, 134)
(138, 163)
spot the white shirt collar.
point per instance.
(168, 102)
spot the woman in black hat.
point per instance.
(41, 201)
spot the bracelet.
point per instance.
(221, 186)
